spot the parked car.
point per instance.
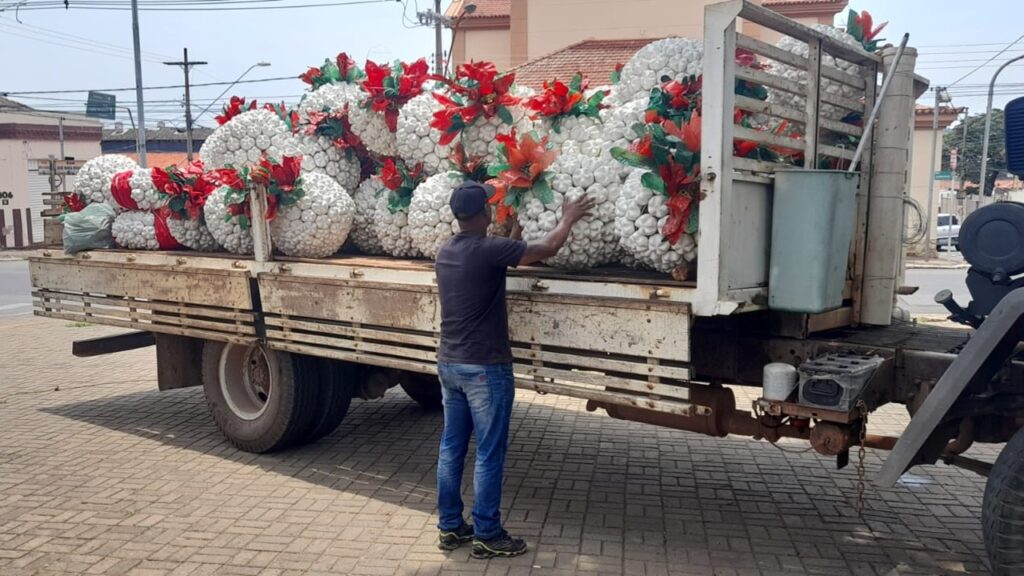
(948, 234)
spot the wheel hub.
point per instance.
(246, 380)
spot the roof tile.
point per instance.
(596, 59)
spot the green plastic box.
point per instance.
(813, 215)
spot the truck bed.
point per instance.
(573, 334)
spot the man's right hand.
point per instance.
(574, 210)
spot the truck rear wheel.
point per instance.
(1002, 513)
(425, 389)
(262, 400)
(334, 396)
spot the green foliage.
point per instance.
(969, 156)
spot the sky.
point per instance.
(91, 49)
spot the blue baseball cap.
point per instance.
(470, 199)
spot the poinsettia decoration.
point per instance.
(675, 100)
(522, 168)
(477, 90)
(334, 125)
(670, 152)
(559, 100)
(233, 108)
(400, 179)
(341, 69)
(282, 180)
(472, 167)
(185, 189)
(862, 27)
(72, 203)
(388, 88)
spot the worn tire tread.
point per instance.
(1003, 509)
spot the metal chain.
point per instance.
(862, 408)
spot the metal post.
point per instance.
(889, 177)
(60, 134)
(438, 42)
(988, 124)
(929, 249)
(140, 134)
(187, 66)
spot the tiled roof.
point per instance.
(776, 3)
(484, 9)
(596, 59)
(199, 133)
(920, 110)
(8, 105)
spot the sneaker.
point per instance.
(452, 539)
(503, 546)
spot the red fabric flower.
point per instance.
(163, 183)
(225, 177)
(233, 108)
(345, 65)
(73, 203)
(389, 175)
(477, 90)
(388, 88)
(310, 76)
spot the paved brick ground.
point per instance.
(102, 474)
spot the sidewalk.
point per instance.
(952, 261)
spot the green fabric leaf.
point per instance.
(496, 169)
(629, 158)
(542, 190)
(652, 181)
(505, 115)
(693, 222)
(243, 222)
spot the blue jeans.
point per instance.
(477, 399)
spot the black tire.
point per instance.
(335, 389)
(1002, 513)
(423, 388)
(261, 400)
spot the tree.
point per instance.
(969, 161)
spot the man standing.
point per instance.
(474, 363)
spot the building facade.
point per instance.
(29, 138)
(511, 32)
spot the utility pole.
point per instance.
(438, 21)
(941, 96)
(438, 42)
(186, 66)
(140, 134)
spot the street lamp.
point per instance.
(988, 123)
(261, 64)
(467, 9)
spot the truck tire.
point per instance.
(261, 400)
(1002, 513)
(425, 389)
(334, 396)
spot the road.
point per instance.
(931, 281)
(15, 288)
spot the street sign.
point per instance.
(101, 105)
(62, 167)
(944, 175)
(953, 156)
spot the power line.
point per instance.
(1008, 46)
(167, 87)
(204, 8)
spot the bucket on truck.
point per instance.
(813, 215)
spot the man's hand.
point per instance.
(574, 210)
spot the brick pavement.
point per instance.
(102, 474)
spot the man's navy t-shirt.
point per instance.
(471, 273)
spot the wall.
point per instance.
(15, 154)
(491, 44)
(919, 177)
(772, 37)
(554, 24)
